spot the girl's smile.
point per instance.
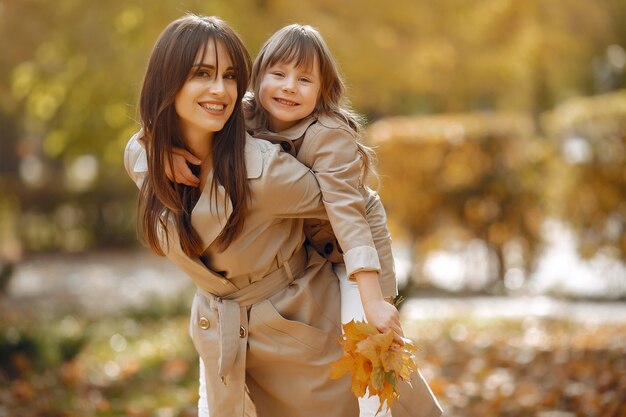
(286, 102)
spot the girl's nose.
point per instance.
(289, 86)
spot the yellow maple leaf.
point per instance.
(387, 396)
(374, 346)
(391, 360)
(375, 362)
(362, 368)
(341, 366)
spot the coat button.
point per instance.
(328, 249)
(204, 323)
(242, 332)
(286, 146)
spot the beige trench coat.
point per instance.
(359, 222)
(358, 235)
(279, 340)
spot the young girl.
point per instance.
(298, 102)
(266, 317)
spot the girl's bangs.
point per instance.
(297, 50)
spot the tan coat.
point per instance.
(359, 232)
(279, 339)
(358, 235)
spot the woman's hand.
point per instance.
(378, 312)
(181, 172)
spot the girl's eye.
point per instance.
(305, 80)
(278, 74)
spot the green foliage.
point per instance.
(25, 349)
(67, 366)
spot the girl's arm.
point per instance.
(291, 189)
(333, 155)
(180, 171)
(377, 220)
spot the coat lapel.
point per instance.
(214, 207)
(211, 212)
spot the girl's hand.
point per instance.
(384, 316)
(181, 172)
(378, 312)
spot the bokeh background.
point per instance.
(500, 128)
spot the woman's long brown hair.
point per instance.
(164, 203)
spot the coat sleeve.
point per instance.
(332, 154)
(290, 187)
(377, 220)
(135, 160)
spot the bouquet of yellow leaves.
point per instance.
(374, 361)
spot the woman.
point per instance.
(265, 319)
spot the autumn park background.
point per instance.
(500, 127)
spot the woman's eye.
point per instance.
(202, 73)
(230, 76)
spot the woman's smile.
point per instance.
(213, 107)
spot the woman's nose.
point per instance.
(217, 86)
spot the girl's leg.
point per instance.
(203, 405)
(352, 309)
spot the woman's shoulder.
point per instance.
(259, 153)
(259, 147)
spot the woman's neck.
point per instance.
(201, 145)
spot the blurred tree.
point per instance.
(591, 173)
(461, 177)
(70, 71)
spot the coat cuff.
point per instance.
(361, 258)
(388, 287)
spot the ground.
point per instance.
(106, 335)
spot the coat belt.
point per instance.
(229, 307)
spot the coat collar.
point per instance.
(252, 156)
(211, 212)
(295, 132)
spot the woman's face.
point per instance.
(208, 97)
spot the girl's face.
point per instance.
(289, 93)
(208, 97)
